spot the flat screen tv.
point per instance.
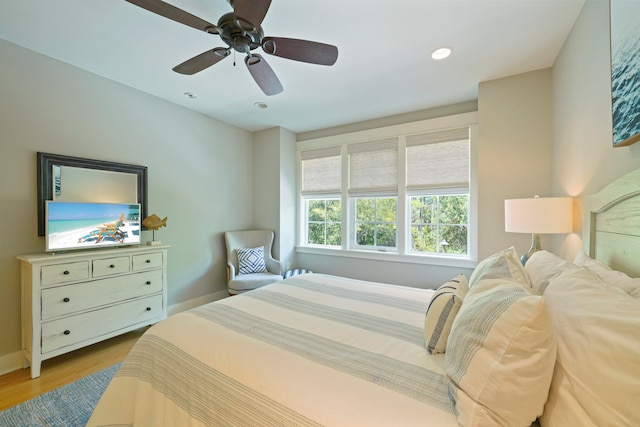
(81, 225)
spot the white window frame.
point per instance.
(403, 225)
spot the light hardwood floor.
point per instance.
(17, 387)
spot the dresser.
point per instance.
(75, 299)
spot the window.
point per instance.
(375, 223)
(408, 193)
(324, 222)
(439, 224)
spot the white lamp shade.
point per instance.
(540, 215)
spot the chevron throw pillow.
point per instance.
(251, 260)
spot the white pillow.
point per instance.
(251, 260)
(443, 308)
(500, 355)
(542, 266)
(596, 381)
(608, 275)
(501, 265)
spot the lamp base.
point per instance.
(535, 247)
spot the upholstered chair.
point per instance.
(250, 264)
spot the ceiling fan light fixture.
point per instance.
(441, 53)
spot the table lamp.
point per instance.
(538, 215)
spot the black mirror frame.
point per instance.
(46, 161)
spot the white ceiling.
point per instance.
(383, 68)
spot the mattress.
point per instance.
(310, 350)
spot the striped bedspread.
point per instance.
(310, 350)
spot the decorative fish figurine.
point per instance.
(153, 222)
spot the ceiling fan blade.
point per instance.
(301, 50)
(202, 61)
(263, 75)
(176, 14)
(250, 13)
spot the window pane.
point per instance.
(316, 234)
(365, 210)
(386, 210)
(453, 209)
(334, 235)
(455, 238)
(316, 210)
(423, 238)
(423, 209)
(386, 235)
(334, 211)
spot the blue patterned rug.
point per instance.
(68, 406)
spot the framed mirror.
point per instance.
(85, 180)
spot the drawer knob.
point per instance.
(148, 261)
(67, 332)
(148, 282)
(66, 272)
(148, 308)
(66, 300)
(112, 266)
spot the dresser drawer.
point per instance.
(64, 273)
(75, 329)
(147, 261)
(110, 266)
(63, 300)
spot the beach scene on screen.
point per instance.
(75, 225)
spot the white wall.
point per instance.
(274, 189)
(514, 154)
(200, 170)
(584, 159)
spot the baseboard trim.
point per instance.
(196, 302)
(13, 361)
(10, 362)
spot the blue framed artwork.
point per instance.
(625, 71)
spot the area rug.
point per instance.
(68, 406)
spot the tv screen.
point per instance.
(80, 225)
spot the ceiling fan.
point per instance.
(241, 31)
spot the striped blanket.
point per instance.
(310, 350)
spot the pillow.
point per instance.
(608, 275)
(504, 264)
(542, 266)
(500, 355)
(251, 260)
(442, 310)
(596, 378)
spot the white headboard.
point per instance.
(612, 224)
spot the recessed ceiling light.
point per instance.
(261, 105)
(190, 95)
(441, 53)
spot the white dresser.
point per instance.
(75, 299)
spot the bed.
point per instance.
(554, 343)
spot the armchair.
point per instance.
(238, 281)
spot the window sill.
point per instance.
(390, 257)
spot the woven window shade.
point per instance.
(321, 171)
(438, 159)
(373, 167)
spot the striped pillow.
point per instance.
(251, 260)
(501, 355)
(442, 310)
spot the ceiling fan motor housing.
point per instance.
(238, 38)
